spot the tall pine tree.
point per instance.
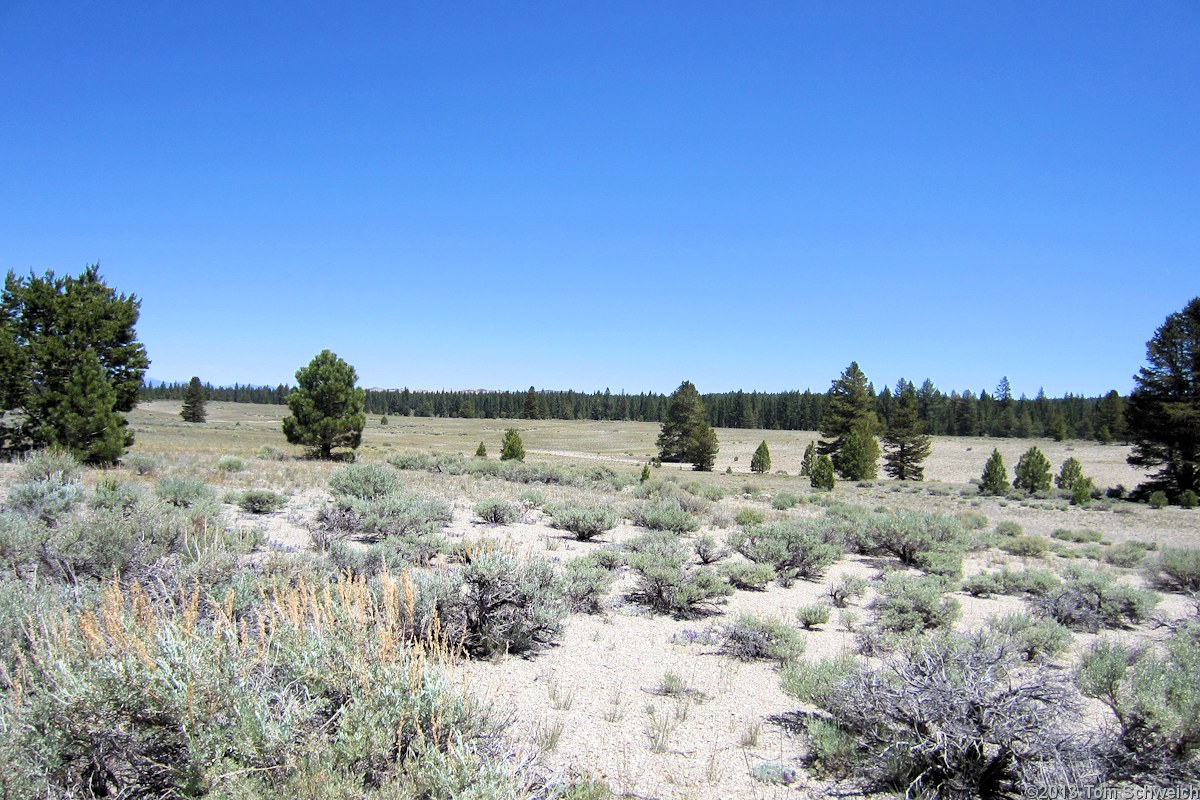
(326, 406)
(194, 402)
(850, 406)
(686, 435)
(905, 444)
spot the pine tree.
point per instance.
(1033, 472)
(858, 459)
(850, 404)
(1109, 418)
(326, 406)
(645, 473)
(532, 410)
(809, 459)
(905, 443)
(822, 473)
(1069, 475)
(481, 451)
(193, 402)
(513, 448)
(760, 462)
(53, 333)
(686, 435)
(995, 476)
(1163, 411)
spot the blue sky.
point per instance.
(618, 194)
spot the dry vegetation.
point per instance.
(661, 691)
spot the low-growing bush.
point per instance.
(1078, 537)
(1026, 546)
(365, 481)
(230, 464)
(810, 617)
(140, 463)
(1088, 600)
(782, 501)
(665, 581)
(750, 637)
(911, 535)
(1158, 499)
(1126, 554)
(585, 521)
(845, 589)
(664, 515)
(183, 492)
(749, 516)
(908, 604)
(1032, 638)
(1009, 528)
(1176, 569)
(973, 520)
(813, 682)
(497, 511)
(748, 575)
(48, 499)
(261, 501)
(707, 549)
(796, 549)
(585, 583)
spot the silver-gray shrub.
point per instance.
(795, 549)
(666, 514)
(497, 511)
(907, 604)
(586, 521)
(1089, 600)
(667, 583)
(1176, 569)
(585, 583)
(365, 481)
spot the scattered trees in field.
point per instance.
(70, 365)
(761, 461)
(194, 402)
(995, 476)
(850, 419)
(906, 446)
(686, 436)
(326, 406)
(1163, 412)
(1033, 472)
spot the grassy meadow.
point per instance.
(222, 617)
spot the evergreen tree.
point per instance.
(995, 475)
(686, 435)
(850, 405)
(761, 460)
(905, 443)
(513, 448)
(326, 406)
(531, 410)
(1109, 418)
(193, 402)
(1033, 471)
(859, 456)
(1069, 475)
(481, 451)
(809, 459)
(53, 334)
(1163, 411)
(822, 473)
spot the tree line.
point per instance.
(997, 413)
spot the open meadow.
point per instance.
(661, 638)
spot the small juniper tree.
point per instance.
(810, 458)
(514, 448)
(995, 476)
(481, 451)
(193, 402)
(761, 461)
(821, 476)
(1033, 471)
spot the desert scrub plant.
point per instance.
(958, 717)
(365, 481)
(909, 604)
(1086, 536)
(134, 699)
(1089, 600)
(497, 511)
(1009, 528)
(1031, 638)
(666, 583)
(811, 616)
(1188, 499)
(1126, 555)
(795, 549)
(585, 583)
(48, 499)
(1158, 499)
(812, 682)
(183, 492)
(1025, 546)
(1176, 569)
(707, 549)
(1034, 582)
(116, 495)
(664, 515)
(1155, 701)
(585, 521)
(748, 575)
(751, 637)
(749, 516)
(845, 589)
(140, 463)
(911, 535)
(230, 464)
(260, 501)
(782, 501)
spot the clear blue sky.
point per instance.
(616, 194)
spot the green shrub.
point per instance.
(821, 475)
(1008, 528)
(846, 588)
(48, 499)
(140, 463)
(813, 682)
(1188, 499)
(1026, 546)
(513, 449)
(750, 637)
(261, 501)
(585, 521)
(1034, 582)
(1176, 570)
(908, 604)
(666, 584)
(810, 617)
(749, 516)
(1032, 639)
(391, 515)
(785, 500)
(973, 520)
(585, 584)
(707, 549)
(230, 464)
(795, 549)
(1089, 600)
(1158, 499)
(749, 576)
(1126, 554)
(664, 515)
(497, 511)
(183, 492)
(1078, 537)
(364, 481)
(983, 584)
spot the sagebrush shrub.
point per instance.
(1088, 600)
(748, 575)
(846, 588)
(230, 464)
(1032, 638)
(810, 617)
(666, 583)
(908, 604)
(750, 637)
(365, 481)
(183, 492)
(497, 511)
(707, 549)
(586, 582)
(48, 499)
(1176, 569)
(585, 521)
(782, 501)
(260, 501)
(796, 549)
(749, 516)
(664, 515)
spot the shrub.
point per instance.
(261, 501)
(230, 464)
(912, 536)
(908, 604)
(513, 449)
(810, 617)
(749, 576)
(497, 511)
(666, 584)
(140, 463)
(782, 501)
(1032, 639)
(48, 498)
(585, 583)
(1176, 570)
(183, 492)
(749, 516)
(813, 682)
(707, 550)
(960, 717)
(845, 588)
(795, 549)
(1009, 528)
(1089, 600)
(1158, 499)
(585, 521)
(1026, 546)
(750, 637)
(1126, 554)
(1078, 537)
(117, 495)
(664, 515)
(364, 481)
(481, 451)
